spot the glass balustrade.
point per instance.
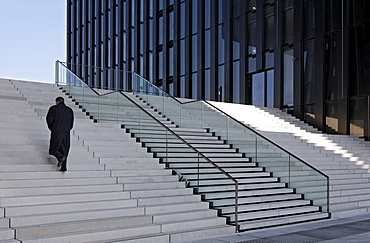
(113, 106)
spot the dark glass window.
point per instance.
(236, 39)
(236, 7)
(171, 62)
(160, 4)
(356, 61)
(309, 114)
(288, 32)
(160, 30)
(221, 83)
(207, 84)
(182, 20)
(182, 57)
(252, 45)
(331, 118)
(151, 34)
(194, 17)
(151, 63)
(171, 25)
(252, 62)
(288, 77)
(236, 81)
(160, 64)
(270, 88)
(308, 71)
(269, 59)
(331, 70)
(194, 85)
(182, 86)
(221, 45)
(308, 18)
(251, 4)
(333, 14)
(194, 53)
(269, 28)
(357, 117)
(220, 11)
(357, 11)
(207, 48)
(207, 14)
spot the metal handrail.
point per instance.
(242, 124)
(181, 139)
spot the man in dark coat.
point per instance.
(60, 122)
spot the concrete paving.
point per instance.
(336, 230)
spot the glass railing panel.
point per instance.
(309, 182)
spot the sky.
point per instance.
(32, 38)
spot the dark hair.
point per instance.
(59, 99)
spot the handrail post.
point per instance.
(56, 72)
(236, 206)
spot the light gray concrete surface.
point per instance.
(336, 230)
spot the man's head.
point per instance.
(59, 100)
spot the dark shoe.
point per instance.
(63, 170)
(61, 160)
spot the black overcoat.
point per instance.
(60, 121)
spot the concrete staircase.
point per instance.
(264, 200)
(345, 159)
(113, 191)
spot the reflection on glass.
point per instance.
(221, 45)
(207, 17)
(331, 77)
(182, 20)
(269, 27)
(182, 57)
(258, 89)
(182, 87)
(194, 85)
(207, 49)
(252, 45)
(332, 118)
(308, 19)
(221, 78)
(308, 71)
(207, 84)
(357, 117)
(236, 82)
(270, 88)
(288, 31)
(357, 61)
(252, 62)
(288, 78)
(194, 56)
(194, 17)
(236, 39)
(269, 59)
(309, 114)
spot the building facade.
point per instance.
(311, 57)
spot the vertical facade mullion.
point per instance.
(176, 49)
(165, 47)
(136, 33)
(214, 46)
(155, 42)
(70, 33)
(227, 5)
(145, 40)
(200, 44)
(243, 55)
(188, 46)
(319, 65)
(298, 78)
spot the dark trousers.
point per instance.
(59, 146)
